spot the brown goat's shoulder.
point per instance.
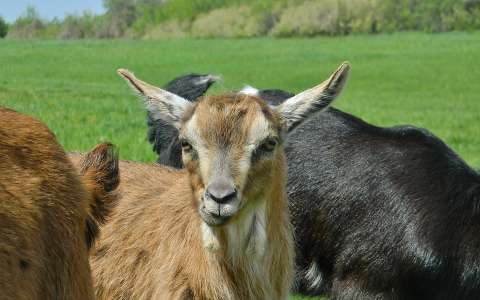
(152, 212)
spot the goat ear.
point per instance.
(161, 104)
(101, 176)
(299, 107)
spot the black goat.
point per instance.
(379, 213)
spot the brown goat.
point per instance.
(49, 215)
(220, 228)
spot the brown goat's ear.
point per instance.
(161, 104)
(101, 177)
(299, 107)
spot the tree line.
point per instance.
(153, 19)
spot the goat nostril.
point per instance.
(221, 195)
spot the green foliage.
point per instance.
(250, 18)
(3, 28)
(229, 22)
(358, 16)
(308, 19)
(78, 27)
(429, 15)
(328, 17)
(29, 25)
(118, 20)
(311, 17)
(168, 29)
(188, 10)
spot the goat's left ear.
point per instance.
(161, 104)
(301, 106)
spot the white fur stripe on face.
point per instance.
(259, 130)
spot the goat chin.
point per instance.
(246, 234)
(210, 240)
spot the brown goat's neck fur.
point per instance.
(245, 249)
(153, 246)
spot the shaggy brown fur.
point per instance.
(152, 248)
(44, 209)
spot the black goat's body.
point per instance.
(388, 213)
(379, 213)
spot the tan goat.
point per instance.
(220, 228)
(48, 214)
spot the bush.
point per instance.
(308, 19)
(358, 16)
(120, 16)
(428, 15)
(107, 27)
(51, 29)
(169, 29)
(29, 25)
(229, 22)
(462, 16)
(3, 28)
(78, 27)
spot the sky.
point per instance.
(48, 9)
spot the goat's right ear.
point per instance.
(161, 104)
(301, 106)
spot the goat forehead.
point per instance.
(223, 121)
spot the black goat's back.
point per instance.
(380, 208)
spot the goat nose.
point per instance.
(221, 192)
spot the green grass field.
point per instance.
(428, 80)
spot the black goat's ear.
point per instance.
(301, 106)
(161, 104)
(191, 86)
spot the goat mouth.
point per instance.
(214, 217)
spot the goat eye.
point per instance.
(268, 145)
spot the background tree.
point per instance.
(3, 28)
(28, 25)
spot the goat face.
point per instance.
(229, 146)
(231, 143)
